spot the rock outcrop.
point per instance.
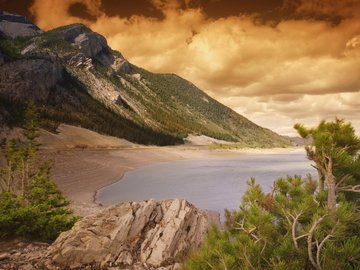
(16, 26)
(91, 44)
(121, 65)
(29, 79)
(145, 235)
(101, 90)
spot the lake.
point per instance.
(214, 183)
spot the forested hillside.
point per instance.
(76, 78)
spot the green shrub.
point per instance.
(13, 47)
(302, 223)
(31, 206)
(288, 228)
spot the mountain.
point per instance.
(76, 78)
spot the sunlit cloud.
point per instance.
(299, 70)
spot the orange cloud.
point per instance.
(344, 8)
(251, 67)
(55, 13)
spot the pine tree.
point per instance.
(31, 206)
(334, 148)
(303, 223)
(8, 179)
(289, 228)
(30, 149)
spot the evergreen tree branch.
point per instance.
(355, 189)
(310, 241)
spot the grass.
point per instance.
(164, 108)
(13, 47)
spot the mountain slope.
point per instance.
(78, 79)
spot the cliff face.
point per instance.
(73, 69)
(30, 79)
(16, 26)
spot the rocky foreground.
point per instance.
(139, 235)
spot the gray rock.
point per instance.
(72, 31)
(147, 234)
(29, 48)
(92, 45)
(29, 79)
(121, 65)
(16, 26)
(79, 61)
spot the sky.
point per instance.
(277, 62)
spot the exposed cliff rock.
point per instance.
(148, 235)
(121, 65)
(29, 79)
(100, 90)
(16, 26)
(91, 44)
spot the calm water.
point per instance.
(215, 183)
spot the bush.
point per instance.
(31, 206)
(302, 223)
(18, 218)
(290, 228)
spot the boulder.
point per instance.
(16, 26)
(149, 235)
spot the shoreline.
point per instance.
(80, 174)
(99, 168)
(108, 184)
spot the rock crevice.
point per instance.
(150, 234)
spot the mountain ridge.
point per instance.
(76, 78)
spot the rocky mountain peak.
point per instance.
(73, 69)
(14, 26)
(94, 46)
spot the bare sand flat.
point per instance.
(80, 173)
(86, 161)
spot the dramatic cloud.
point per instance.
(294, 70)
(51, 14)
(343, 8)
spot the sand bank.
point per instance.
(80, 173)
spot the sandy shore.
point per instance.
(80, 173)
(85, 161)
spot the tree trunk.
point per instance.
(9, 178)
(321, 181)
(331, 192)
(330, 182)
(27, 178)
(23, 178)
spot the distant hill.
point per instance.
(298, 140)
(76, 78)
